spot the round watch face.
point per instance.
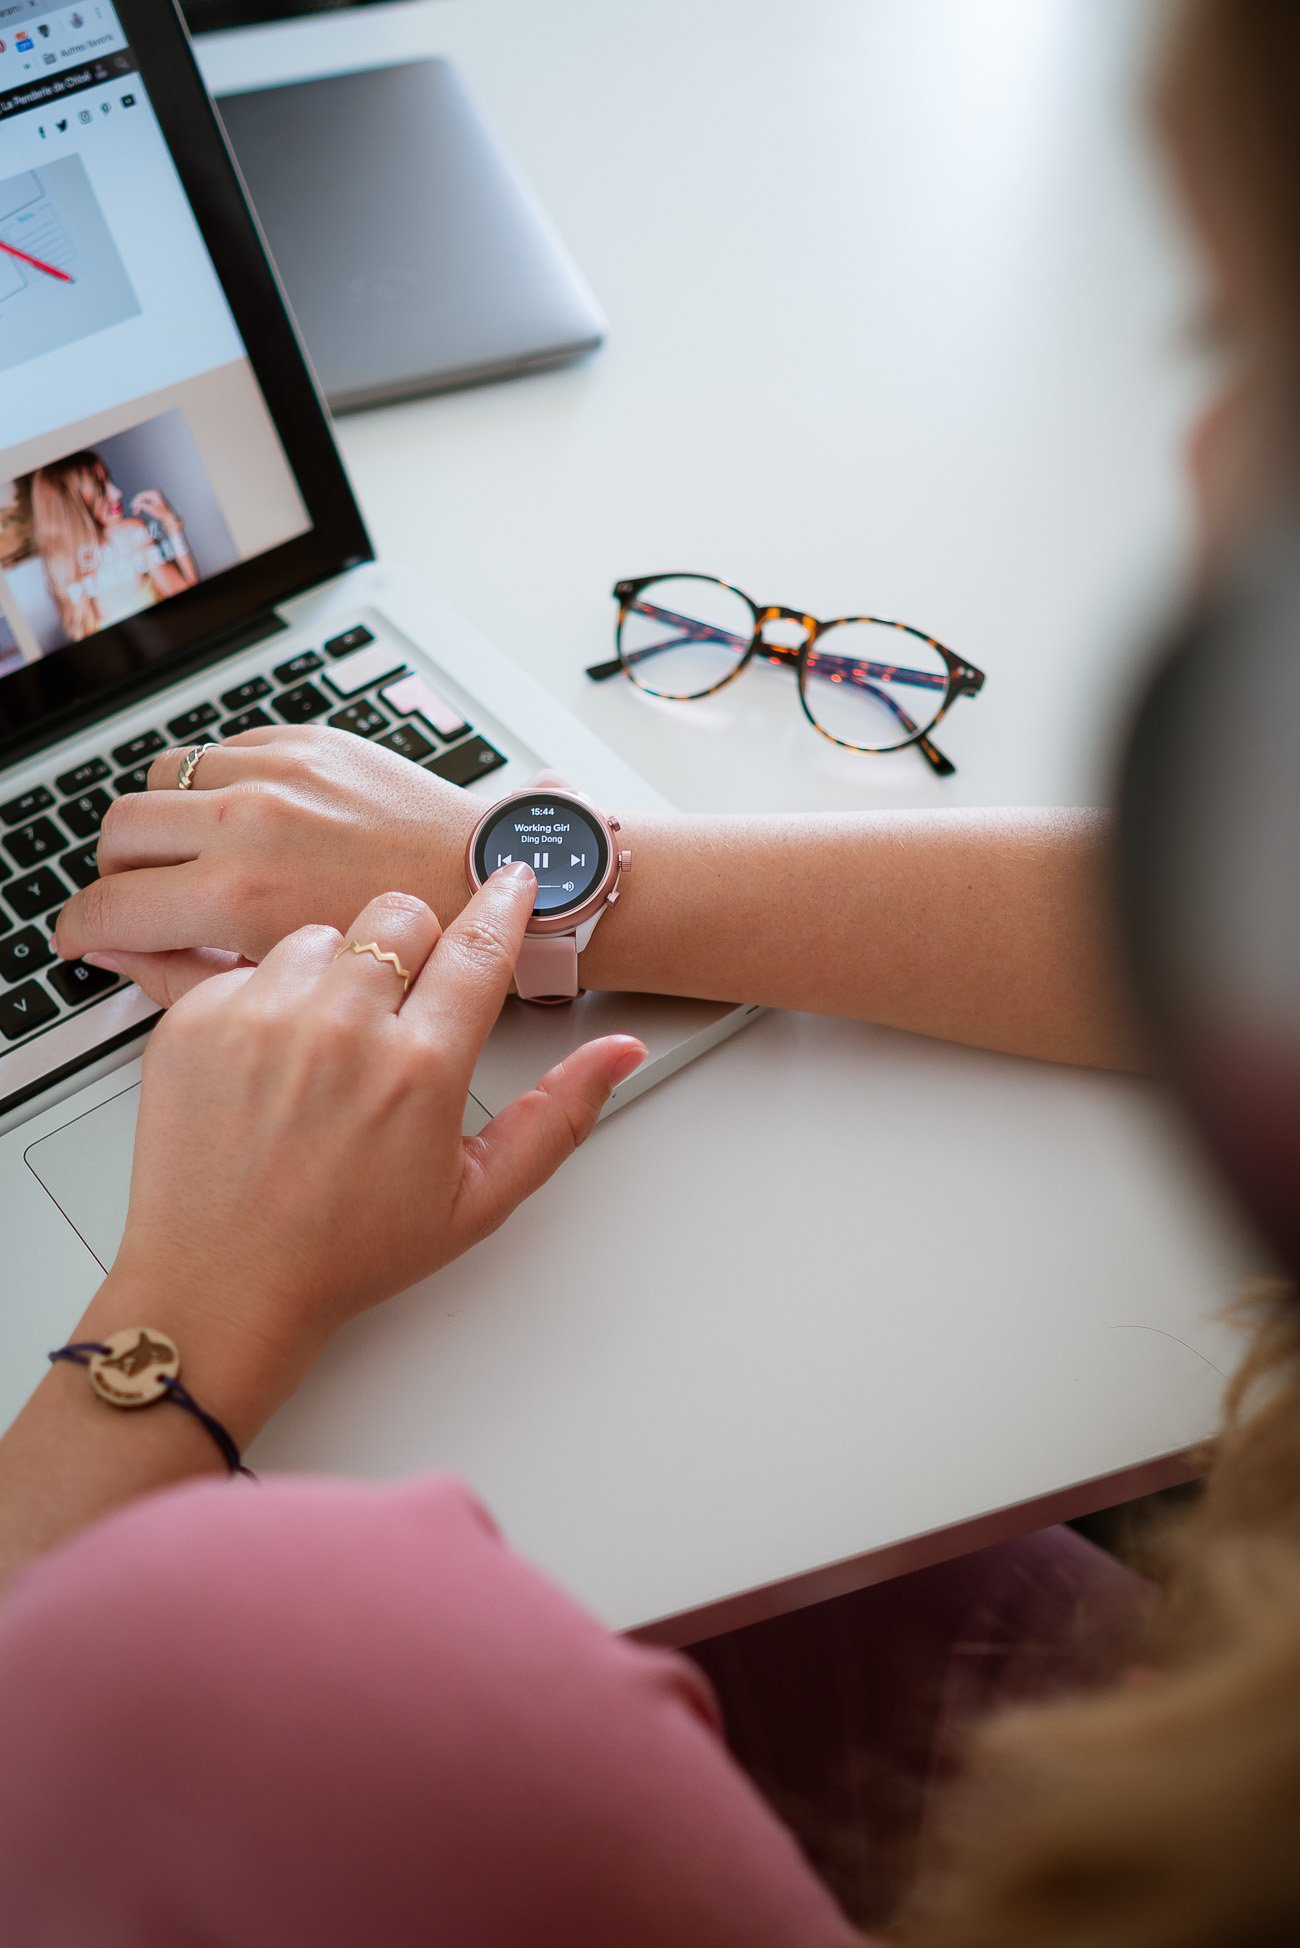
(565, 846)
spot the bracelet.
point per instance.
(138, 1366)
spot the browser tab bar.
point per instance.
(38, 42)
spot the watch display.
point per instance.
(555, 835)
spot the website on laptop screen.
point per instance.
(137, 453)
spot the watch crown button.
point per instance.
(625, 862)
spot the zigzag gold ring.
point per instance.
(376, 952)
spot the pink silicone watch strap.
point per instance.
(547, 968)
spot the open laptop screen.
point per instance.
(165, 468)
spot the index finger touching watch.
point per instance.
(575, 854)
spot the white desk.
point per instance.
(893, 320)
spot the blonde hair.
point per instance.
(1165, 1813)
(68, 538)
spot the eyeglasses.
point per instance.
(685, 636)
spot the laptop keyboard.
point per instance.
(50, 832)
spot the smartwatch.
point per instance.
(574, 851)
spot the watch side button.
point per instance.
(625, 861)
(611, 898)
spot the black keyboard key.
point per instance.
(37, 893)
(408, 742)
(26, 806)
(83, 777)
(246, 720)
(143, 746)
(137, 780)
(25, 1008)
(351, 639)
(23, 952)
(83, 816)
(245, 693)
(475, 758)
(80, 864)
(362, 718)
(5, 868)
(185, 727)
(301, 705)
(32, 843)
(73, 981)
(297, 666)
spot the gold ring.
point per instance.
(190, 764)
(373, 948)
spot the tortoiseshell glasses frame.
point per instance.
(958, 679)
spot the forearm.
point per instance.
(985, 927)
(173, 577)
(70, 1458)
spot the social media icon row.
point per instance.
(84, 116)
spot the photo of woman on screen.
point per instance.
(104, 559)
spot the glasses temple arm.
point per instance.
(694, 630)
(850, 666)
(700, 633)
(855, 668)
(856, 672)
(933, 756)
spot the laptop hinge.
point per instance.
(212, 649)
(253, 629)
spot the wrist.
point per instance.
(613, 961)
(238, 1370)
(443, 837)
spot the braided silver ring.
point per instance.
(190, 764)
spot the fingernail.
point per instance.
(109, 962)
(628, 1063)
(519, 870)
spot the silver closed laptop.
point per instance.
(414, 255)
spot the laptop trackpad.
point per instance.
(86, 1168)
(86, 1165)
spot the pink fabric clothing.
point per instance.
(327, 1714)
(347, 1716)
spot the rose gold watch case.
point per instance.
(606, 888)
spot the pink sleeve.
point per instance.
(326, 1712)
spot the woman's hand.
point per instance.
(281, 827)
(298, 1157)
(152, 503)
(299, 1154)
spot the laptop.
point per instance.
(143, 336)
(429, 263)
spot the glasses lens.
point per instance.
(684, 635)
(874, 685)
